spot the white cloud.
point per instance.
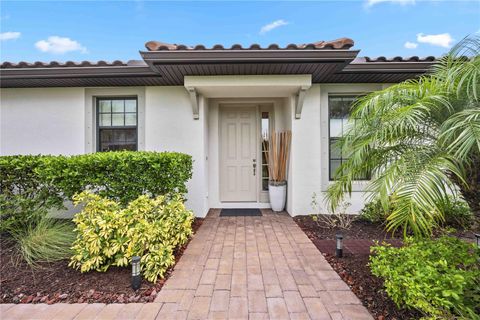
(275, 24)
(410, 45)
(4, 36)
(371, 3)
(59, 45)
(441, 40)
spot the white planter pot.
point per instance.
(278, 196)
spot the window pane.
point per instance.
(105, 106)
(117, 106)
(122, 114)
(119, 136)
(130, 119)
(265, 171)
(348, 103)
(130, 105)
(131, 135)
(106, 136)
(335, 151)
(265, 124)
(336, 107)
(117, 119)
(118, 139)
(334, 164)
(336, 127)
(105, 120)
(265, 184)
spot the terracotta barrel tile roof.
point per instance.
(56, 64)
(400, 59)
(338, 44)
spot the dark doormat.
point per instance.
(240, 212)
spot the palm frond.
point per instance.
(461, 133)
(415, 138)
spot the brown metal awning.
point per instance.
(168, 64)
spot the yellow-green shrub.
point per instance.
(110, 235)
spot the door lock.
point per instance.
(254, 166)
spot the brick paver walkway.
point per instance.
(234, 268)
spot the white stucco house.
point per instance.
(212, 103)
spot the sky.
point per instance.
(118, 30)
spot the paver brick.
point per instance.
(238, 308)
(149, 311)
(90, 311)
(166, 295)
(223, 282)
(294, 301)
(129, 311)
(168, 311)
(218, 315)
(255, 282)
(277, 309)
(187, 300)
(299, 316)
(208, 277)
(344, 297)
(204, 290)
(355, 312)
(257, 301)
(335, 285)
(258, 316)
(110, 311)
(307, 291)
(316, 309)
(200, 308)
(273, 291)
(220, 300)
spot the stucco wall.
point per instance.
(57, 121)
(170, 126)
(309, 167)
(42, 121)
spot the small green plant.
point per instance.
(47, 240)
(110, 234)
(439, 277)
(336, 220)
(373, 212)
(457, 214)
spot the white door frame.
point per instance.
(255, 107)
(273, 105)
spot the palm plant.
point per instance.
(420, 141)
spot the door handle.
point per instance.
(254, 166)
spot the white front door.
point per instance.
(238, 153)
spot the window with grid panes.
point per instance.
(117, 124)
(338, 113)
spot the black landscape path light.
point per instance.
(339, 248)
(136, 277)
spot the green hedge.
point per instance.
(30, 185)
(24, 196)
(120, 176)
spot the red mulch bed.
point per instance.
(353, 267)
(56, 282)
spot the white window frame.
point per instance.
(91, 94)
(326, 91)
